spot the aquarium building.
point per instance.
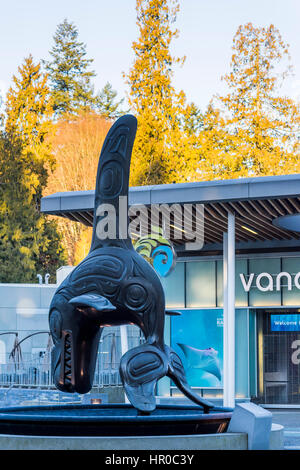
(238, 290)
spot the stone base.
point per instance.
(203, 441)
(276, 437)
(224, 441)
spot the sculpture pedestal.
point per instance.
(224, 441)
(154, 443)
(111, 420)
(116, 427)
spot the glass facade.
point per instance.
(201, 284)
(195, 284)
(197, 337)
(279, 356)
(290, 297)
(258, 297)
(196, 288)
(174, 287)
(240, 294)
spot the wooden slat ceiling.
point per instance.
(253, 220)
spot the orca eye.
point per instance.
(55, 323)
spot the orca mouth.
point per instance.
(68, 366)
(61, 372)
(74, 359)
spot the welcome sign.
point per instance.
(285, 322)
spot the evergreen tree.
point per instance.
(163, 152)
(29, 243)
(106, 104)
(69, 73)
(253, 130)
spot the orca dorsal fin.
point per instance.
(112, 182)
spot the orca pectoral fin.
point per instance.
(172, 313)
(140, 369)
(93, 300)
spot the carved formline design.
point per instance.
(113, 285)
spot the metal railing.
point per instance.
(31, 371)
(34, 374)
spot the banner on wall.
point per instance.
(197, 337)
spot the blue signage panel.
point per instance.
(197, 337)
(288, 322)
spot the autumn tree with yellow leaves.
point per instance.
(163, 151)
(76, 148)
(252, 131)
(29, 112)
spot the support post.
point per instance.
(229, 314)
(124, 339)
(225, 319)
(124, 347)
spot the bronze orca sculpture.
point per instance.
(113, 285)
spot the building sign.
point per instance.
(267, 282)
(285, 322)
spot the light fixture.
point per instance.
(133, 235)
(249, 229)
(177, 228)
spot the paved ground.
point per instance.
(290, 419)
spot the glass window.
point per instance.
(197, 337)
(201, 284)
(290, 297)
(252, 353)
(173, 285)
(2, 352)
(262, 282)
(241, 297)
(241, 353)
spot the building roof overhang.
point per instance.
(256, 202)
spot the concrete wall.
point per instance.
(24, 309)
(225, 441)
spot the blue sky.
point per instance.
(108, 28)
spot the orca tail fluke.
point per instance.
(177, 374)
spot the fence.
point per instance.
(34, 370)
(35, 374)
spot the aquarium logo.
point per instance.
(159, 251)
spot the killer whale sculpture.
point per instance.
(113, 285)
